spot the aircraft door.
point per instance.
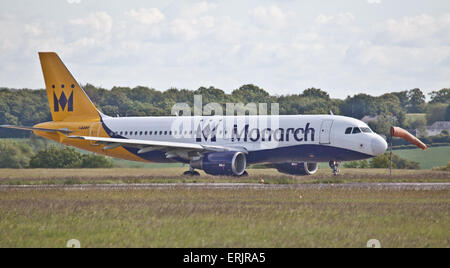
(325, 131)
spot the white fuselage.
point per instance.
(267, 139)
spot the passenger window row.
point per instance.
(155, 133)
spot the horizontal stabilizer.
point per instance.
(64, 131)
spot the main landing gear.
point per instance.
(335, 166)
(191, 172)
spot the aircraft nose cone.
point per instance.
(379, 146)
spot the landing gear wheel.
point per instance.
(192, 173)
(245, 174)
(335, 166)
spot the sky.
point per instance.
(345, 47)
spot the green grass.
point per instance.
(224, 218)
(434, 157)
(411, 117)
(120, 163)
(174, 175)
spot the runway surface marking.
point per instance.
(394, 186)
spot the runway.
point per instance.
(230, 186)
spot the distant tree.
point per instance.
(145, 95)
(14, 154)
(54, 157)
(382, 125)
(110, 110)
(383, 161)
(436, 112)
(417, 123)
(416, 101)
(96, 161)
(357, 164)
(390, 103)
(96, 95)
(179, 95)
(315, 92)
(402, 97)
(251, 93)
(359, 106)
(66, 157)
(447, 113)
(441, 96)
(212, 94)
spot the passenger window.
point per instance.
(145, 133)
(348, 130)
(140, 133)
(131, 133)
(135, 133)
(356, 130)
(165, 132)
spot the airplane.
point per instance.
(218, 145)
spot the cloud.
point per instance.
(420, 31)
(146, 16)
(341, 19)
(198, 9)
(98, 21)
(374, 2)
(74, 1)
(269, 16)
(211, 43)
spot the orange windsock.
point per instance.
(401, 133)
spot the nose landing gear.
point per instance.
(335, 166)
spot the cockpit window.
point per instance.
(356, 130)
(348, 130)
(366, 130)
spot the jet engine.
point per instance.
(300, 169)
(222, 163)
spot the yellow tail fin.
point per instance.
(68, 101)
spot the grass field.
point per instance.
(224, 218)
(434, 157)
(411, 117)
(174, 175)
(190, 217)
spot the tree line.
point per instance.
(28, 107)
(20, 154)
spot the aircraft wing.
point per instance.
(148, 145)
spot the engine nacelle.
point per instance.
(301, 169)
(222, 163)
